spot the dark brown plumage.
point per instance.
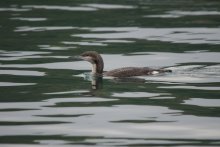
(96, 60)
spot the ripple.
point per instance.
(17, 55)
(18, 58)
(21, 73)
(28, 19)
(184, 35)
(151, 59)
(14, 9)
(6, 84)
(163, 97)
(192, 74)
(85, 43)
(20, 53)
(203, 102)
(82, 125)
(135, 94)
(190, 87)
(49, 102)
(53, 142)
(81, 99)
(140, 142)
(114, 125)
(64, 8)
(177, 14)
(49, 47)
(109, 6)
(67, 92)
(117, 41)
(178, 78)
(39, 29)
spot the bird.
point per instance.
(98, 65)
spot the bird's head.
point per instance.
(95, 59)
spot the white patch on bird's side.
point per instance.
(154, 72)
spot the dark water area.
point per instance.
(46, 99)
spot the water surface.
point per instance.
(47, 99)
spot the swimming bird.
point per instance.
(98, 65)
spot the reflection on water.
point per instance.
(48, 100)
(135, 94)
(14, 9)
(175, 35)
(142, 59)
(6, 84)
(109, 6)
(29, 19)
(22, 72)
(66, 8)
(203, 102)
(46, 28)
(83, 7)
(177, 14)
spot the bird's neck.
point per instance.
(94, 69)
(98, 65)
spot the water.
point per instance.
(47, 99)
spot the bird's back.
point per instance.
(133, 71)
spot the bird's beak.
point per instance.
(79, 58)
(76, 58)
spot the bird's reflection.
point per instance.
(96, 80)
(96, 83)
(129, 80)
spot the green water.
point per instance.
(47, 99)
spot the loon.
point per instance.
(98, 65)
